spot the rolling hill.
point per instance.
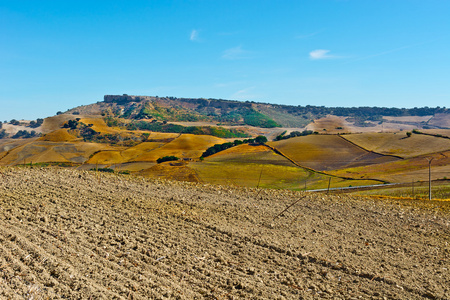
(341, 147)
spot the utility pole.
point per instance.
(329, 182)
(429, 176)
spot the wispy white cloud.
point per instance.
(320, 54)
(304, 36)
(194, 37)
(393, 50)
(236, 53)
(244, 94)
(227, 84)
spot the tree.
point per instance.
(408, 134)
(3, 134)
(166, 158)
(260, 139)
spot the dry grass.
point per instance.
(184, 146)
(399, 144)
(441, 120)
(410, 119)
(326, 152)
(440, 190)
(56, 122)
(250, 154)
(60, 135)
(99, 124)
(267, 176)
(330, 124)
(44, 152)
(407, 170)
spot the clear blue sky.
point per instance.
(55, 55)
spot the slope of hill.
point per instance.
(327, 152)
(81, 235)
(183, 146)
(267, 115)
(407, 170)
(129, 133)
(399, 144)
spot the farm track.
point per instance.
(80, 235)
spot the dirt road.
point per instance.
(78, 235)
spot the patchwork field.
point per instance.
(441, 120)
(183, 146)
(245, 153)
(45, 151)
(399, 144)
(80, 235)
(349, 160)
(327, 152)
(407, 170)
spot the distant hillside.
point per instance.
(224, 118)
(264, 115)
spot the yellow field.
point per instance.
(249, 154)
(326, 152)
(444, 132)
(412, 169)
(185, 146)
(171, 171)
(98, 123)
(161, 135)
(272, 176)
(56, 122)
(330, 124)
(44, 151)
(124, 156)
(60, 135)
(399, 144)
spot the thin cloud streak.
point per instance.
(194, 36)
(236, 53)
(304, 36)
(244, 94)
(392, 51)
(320, 54)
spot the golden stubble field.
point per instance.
(400, 144)
(68, 234)
(327, 152)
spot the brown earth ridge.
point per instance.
(82, 235)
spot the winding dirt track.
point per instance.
(79, 235)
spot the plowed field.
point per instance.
(79, 235)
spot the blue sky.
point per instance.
(55, 55)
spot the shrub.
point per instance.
(106, 170)
(166, 158)
(260, 139)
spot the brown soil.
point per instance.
(81, 235)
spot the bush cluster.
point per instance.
(294, 134)
(166, 158)
(220, 147)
